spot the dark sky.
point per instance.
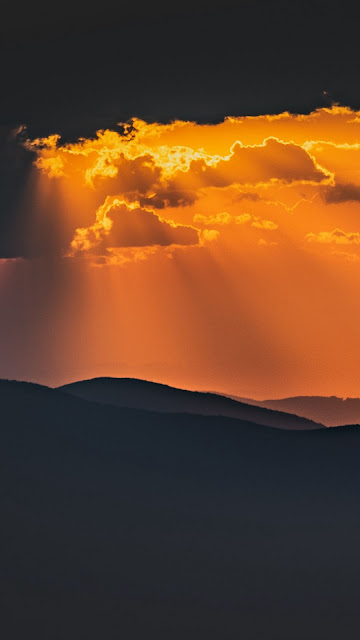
(77, 67)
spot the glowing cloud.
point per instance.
(225, 218)
(337, 236)
(167, 184)
(119, 224)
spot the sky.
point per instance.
(180, 197)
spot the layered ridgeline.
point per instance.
(126, 523)
(329, 410)
(151, 396)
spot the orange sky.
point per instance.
(222, 257)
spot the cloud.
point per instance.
(218, 218)
(138, 179)
(167, 196)
(208, 235)
(120, 225)
(269, 225)
(249, 170)
(242, 218)
(114, 164)
(342, 193)
(247, 195)
(224, 218)
(337, 236)
(273, 160)
(171, 175)
(266, 243)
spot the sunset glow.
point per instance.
(222, 257)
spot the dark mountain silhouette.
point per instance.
(328, 410)
(151, 396)
(123, 523)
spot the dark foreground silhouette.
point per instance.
(121, 524)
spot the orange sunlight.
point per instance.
(222, 257)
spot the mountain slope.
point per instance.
(140, 394)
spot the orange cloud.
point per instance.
(273, 160)
(266, 243)
(242, 237)
(119, 224)
(337, 236)
(225, 218)
(260, 173)
(269, 225)
(218, 219)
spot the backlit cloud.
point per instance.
(224, 218)
(120, 225)
(181, 182)
(337, 236)
(269, 225)
(273, 160)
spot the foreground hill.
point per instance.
(330, 411)
(121, 523)
(151, 396)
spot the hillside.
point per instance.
(151, 396)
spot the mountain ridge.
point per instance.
(154, 396)
(332, 411)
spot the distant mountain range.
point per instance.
(151, 396)
(330, 411)
(128, 523)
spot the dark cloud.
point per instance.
(169, 196)
(140, 179)
(342, 193)
(136, 176)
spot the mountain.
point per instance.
(330, 411)
(151, 396)
(124, 523)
